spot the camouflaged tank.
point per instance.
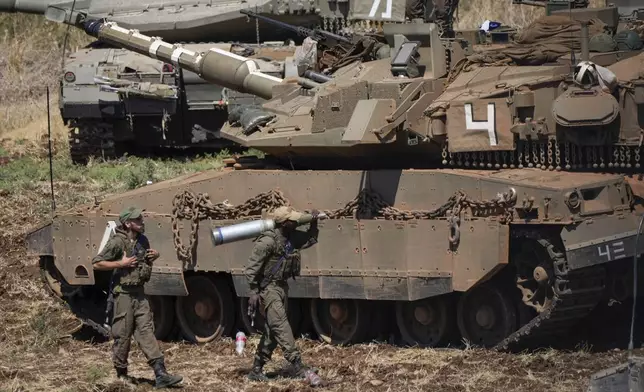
(114, 101)
(465, 200)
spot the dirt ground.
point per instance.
(36, 354)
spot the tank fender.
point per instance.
(76, 240)
(39, 241)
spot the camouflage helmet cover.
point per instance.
(130, 213)
(282, 214)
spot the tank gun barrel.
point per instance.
(59, 12)
(545, 3)
(535, 3)
(216, 66)
(317, 35)
(26, 6)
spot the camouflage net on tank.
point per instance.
(367, 204)
(545, 40)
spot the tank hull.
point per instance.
(414, 245)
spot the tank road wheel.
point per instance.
(163, 312)
(245, 318)
(486, 315)
(208, 311)
(340, 321)
(426, 322)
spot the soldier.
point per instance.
(128, 254)
(274, 259)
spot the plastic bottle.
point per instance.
(312, 378)
(240, 342)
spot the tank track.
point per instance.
(79, 310)
(91, 138)
(576, 293)
(86, 308)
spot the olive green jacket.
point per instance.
(131, 278)
(269, 248)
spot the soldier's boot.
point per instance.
(257, 373)
(297, 369)
(121, 373)
(302, 371)
(162, 378)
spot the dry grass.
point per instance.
(37, 354)
(30, 61)
(472, 13)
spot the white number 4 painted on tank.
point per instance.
(388, 9)
(614, 251)
(488, 125)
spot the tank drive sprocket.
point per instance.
(572, 294)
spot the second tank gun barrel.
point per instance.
(216, 66)
(26, 6)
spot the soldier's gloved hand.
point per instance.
(315, 213)
(151, 255)
(253, 303)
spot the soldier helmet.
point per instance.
(602, 43)
(628, 40)
(130, 213)
(282, 214)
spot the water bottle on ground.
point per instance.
(240, 342)
(312, 378)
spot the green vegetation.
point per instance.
(25, 189)
(104, 177)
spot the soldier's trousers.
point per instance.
(133, 317)
(277, 330)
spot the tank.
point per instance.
(115, 102)
(416, 163)
(157, 109)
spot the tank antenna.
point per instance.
(71, 13)
(51, 164)
(573, 60)
(637, 238)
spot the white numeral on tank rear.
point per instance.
(384, 15)
(488, 125)
(614, 251)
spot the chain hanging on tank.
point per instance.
(547, 155)
(368, 204)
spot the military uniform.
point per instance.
(132, 315)
(274, 259)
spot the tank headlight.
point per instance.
(70, 77)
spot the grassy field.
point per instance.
(37, 354)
